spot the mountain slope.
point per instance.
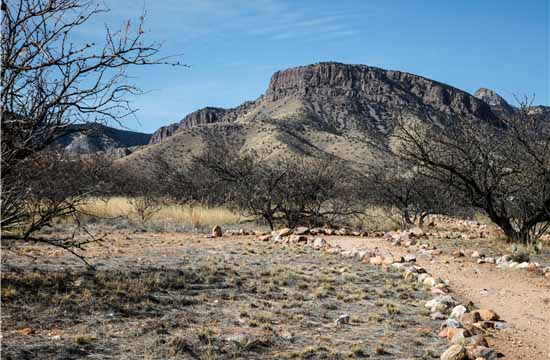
(341, 110)
(92, 138)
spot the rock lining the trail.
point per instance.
(463, 326)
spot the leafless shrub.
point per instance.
(293, 190)
(47, 186)
(52, 80)
(401, 185)
(502, 168)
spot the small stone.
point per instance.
(409, 275)
(388, 260)
(431, 282)
(484, 352)
(459, 336)
(217, 231)
(334, 250)
(284, 232)
(487, 314)
(347, 253)
(422, 277)
(476, 340)
(501, 325)
(458, 254)
(458, 311)
(319, 243)
(438, 316)
(302, 230)
(475, 254)
(26, 331)
(265, 238)
(452, 323)
(523, 265)
(342, 232)
(455, 352)
(532, 267)
(410, 258)
(398, 265)
(344, 319)
(376, 260)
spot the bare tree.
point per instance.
(292, 190)
(401, 185)
(51, 185)
(52, 80)
(502, 168)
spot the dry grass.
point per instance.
(172, 296)
(381, 219)
(189, 216)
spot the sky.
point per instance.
(233, 47)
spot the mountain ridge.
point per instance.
(372, 87)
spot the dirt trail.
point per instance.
(520, 298)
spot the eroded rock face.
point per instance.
(204, 116)
(163, 132)
(359, 96)
(342, 96)
(497, 102)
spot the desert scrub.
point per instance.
(213, 299)
(191, 217)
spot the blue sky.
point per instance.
(233, 46)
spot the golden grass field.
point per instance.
(195, 216)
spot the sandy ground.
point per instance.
(177, 296)
(520, 298)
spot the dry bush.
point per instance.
(52, 79)
(292, 190)
(502, 168)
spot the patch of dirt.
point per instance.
(168, 296)
(520, 298)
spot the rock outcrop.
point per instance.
(344, 97)
(98, 138)
(495, 101)
(204, 116)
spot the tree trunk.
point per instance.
(513, 235)
(269, 220)
(421, 219)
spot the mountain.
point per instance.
(95, 137)
(338, 109)
(343, 96)
(495, 101)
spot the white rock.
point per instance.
(344, 319)
(437, 316)
(452, 323)
(319, 243)
(455, 352)
(458, 311)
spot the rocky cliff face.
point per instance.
(95, 138)
(204, 116)
(495, 101)
(368, 95)
(347, 97)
